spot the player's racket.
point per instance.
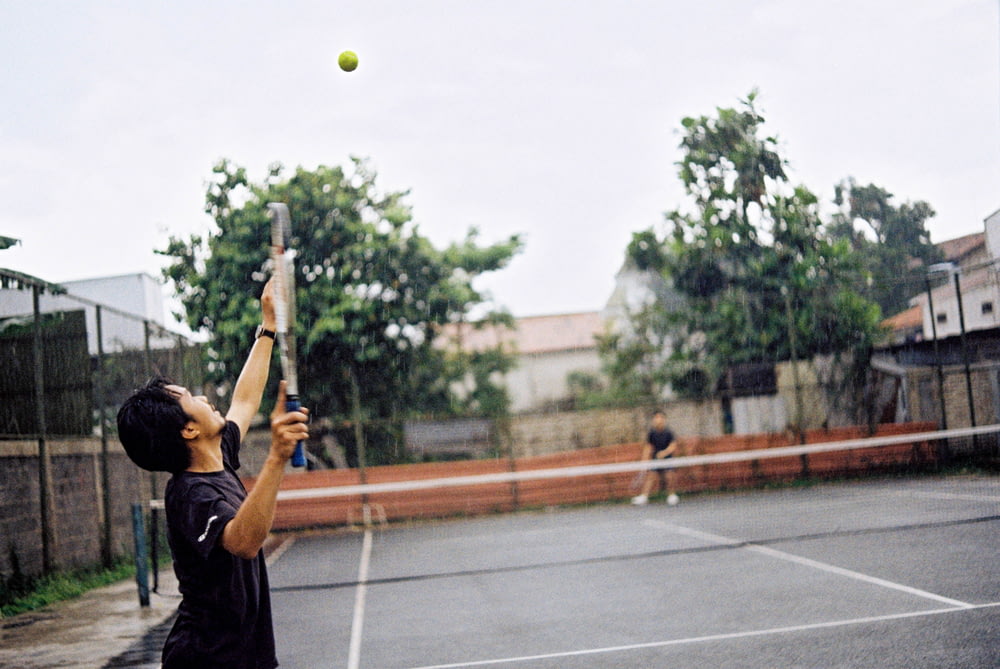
(283, 271)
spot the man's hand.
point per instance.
(668, 451)
(287, 427)
(268, 319)
(244, 535)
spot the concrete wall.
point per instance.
(77, 501)
(543, 433)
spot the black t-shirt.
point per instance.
(224, 619)
(660, 439)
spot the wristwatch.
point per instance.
(261, 332)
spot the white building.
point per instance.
(973, 258)
(129, 300)
(547, 349)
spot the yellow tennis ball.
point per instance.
(348, 61)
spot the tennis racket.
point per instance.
(283, 271)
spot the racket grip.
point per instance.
(299, 456)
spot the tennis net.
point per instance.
(340, 497)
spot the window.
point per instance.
(942, 318)
(987, 308)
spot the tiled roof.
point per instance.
(535, 334)
(958, 248)
(904, 320)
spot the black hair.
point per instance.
(149, 426)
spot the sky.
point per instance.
(558, 120)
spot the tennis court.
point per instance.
(895, 572)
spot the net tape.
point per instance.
(630, 466)
(635, 465)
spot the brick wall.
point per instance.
(925, 402)
(77, 502)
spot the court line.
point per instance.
(599, 559)
(708, 638)
(279, 551)
(865, 578)
(354, 654)
(950, 495)
(814, 564)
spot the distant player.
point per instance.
(215, 529)
(660, 443)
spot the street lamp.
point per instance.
(952, 269)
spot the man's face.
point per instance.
(208, 418)
(659, 421)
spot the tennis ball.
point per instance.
(348, 61)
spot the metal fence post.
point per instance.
(44, 469)
(154, 544)
(141, 558)
(106, 528)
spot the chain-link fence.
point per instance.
(66, 365)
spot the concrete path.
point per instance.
(86, 632)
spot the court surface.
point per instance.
(888, 573)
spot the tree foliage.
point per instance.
(892, 243)
(759, 276)
(372, 292)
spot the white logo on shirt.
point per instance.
(208, 525)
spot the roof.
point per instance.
(904, 320)
(960, 247)
(534, 334)
(12, 279)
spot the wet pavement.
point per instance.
(105, 627)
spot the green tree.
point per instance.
(891, 242)
(372, 294)
(758, 277)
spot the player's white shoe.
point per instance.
(639, 500)
(673, 499)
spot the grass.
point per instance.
(31, 593)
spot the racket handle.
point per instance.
(299, 456)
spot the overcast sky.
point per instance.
(556, 120)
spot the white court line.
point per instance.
(950, 495)
(354, 654)
(279, 551)
(829, 568)
(704, 639)
(815, 564)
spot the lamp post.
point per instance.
(954, 272)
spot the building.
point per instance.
(970, 271)
(945, 360)
(547, 349)
(127, 301)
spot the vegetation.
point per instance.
(748, 270)
(891, 242)
(374, 297)
(20, 593)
